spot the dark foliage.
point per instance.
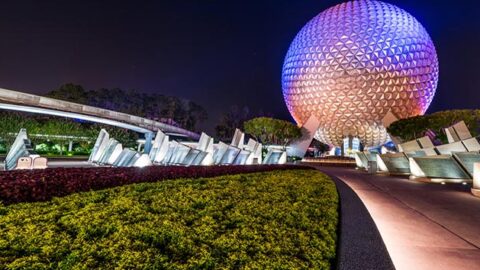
(234, 118)
(42, 185)
(172, 110)
(58, 130)
(418, 126)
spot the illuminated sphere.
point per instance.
(352, 64)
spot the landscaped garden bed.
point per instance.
(40, 185)
(280, 219)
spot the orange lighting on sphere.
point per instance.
(353, 63)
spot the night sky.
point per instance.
(216, 53)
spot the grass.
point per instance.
(269, 220)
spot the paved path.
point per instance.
(360, 245)
(69, 164)
(63, 163)
(424, 226)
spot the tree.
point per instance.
(435, 123)
(56, 130)
(185, 113)
(10, 124)
(272, 131)
(231, 120)
(126, 137)
(70, 92)
(195, 114)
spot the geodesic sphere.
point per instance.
(353, 63)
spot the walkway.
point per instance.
(58, 162)
(424, 226)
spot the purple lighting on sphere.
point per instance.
(352, 64)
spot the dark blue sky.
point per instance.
(215, 52)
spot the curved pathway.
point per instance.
(424, 226)
(360, 245)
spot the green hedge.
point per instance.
(415, 127)
(271, 220)
(52, 127)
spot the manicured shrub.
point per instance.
(434, 124)
(41, 185)
(270, 220)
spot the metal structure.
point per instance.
(422, 160)
(107, 151)
(19, 101)
(22, 155)
(354, 63)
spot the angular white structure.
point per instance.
(238, 139)
(471, 144)
(476, 180)
(142, 161)
(22, 155)
(17, 150)
(99, 146)
(179, 154)
(415, 145)
(156, 144)
(205, 143)
(448, 149)
(230, 155)
(176, 153)
(219, 152)
(362, 159)
(425, 142)
(394, 163)
(410, 146)
(458, 132)
(115, 154)
(191, 157)
(159, 148)
(419, 147)
(299, 147)
(275, 157)
(256, 152)
(242, 157)
(454, 162)
(467, 161)
(238, 153)
(126, 158)
(441, 168)
(205, 155)
(108, 151)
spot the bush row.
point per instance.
(434, 125)
(42, 185)
(268, 220)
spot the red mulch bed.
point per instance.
(42, 185)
